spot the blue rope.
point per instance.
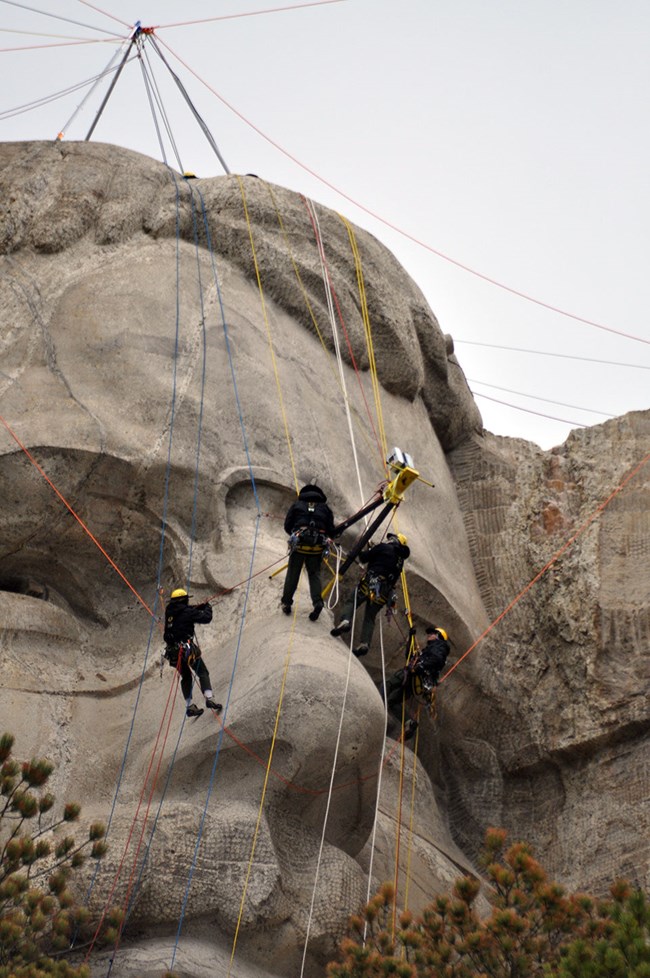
(163, 526)
(200, 427)
(136, 887)
(229, 352)
(160, 565)
(247, 593)
(161, 109)
(218, 750)
(249, 583)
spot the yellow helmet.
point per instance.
(442, 633)
(397, 536)
(180, 592)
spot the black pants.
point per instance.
(312, 563)
(187, 672)
(371, 610)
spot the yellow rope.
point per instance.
(412, 816)
(365, 315)
(398, 823)
(266, 781)
(268, 332)
(361, 426)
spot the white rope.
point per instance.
(329, 793)
(108, 67)
(337, 346)
(333, 596)
(381, 768)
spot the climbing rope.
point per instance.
(333, 301)
(264, 788)
(155, 102)
(243, 615)
(373, 837)
(329, 794)
(409, 850)
(365, 315)
(132, 880)
(556, 556)
(268, 332)
(195, 494)
(311, 210)
(172, 690)
(308, 305)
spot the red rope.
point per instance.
(172, 689)
(581, 529)
(251, 13)
(395, 227)
(72, 512)
(343, 326)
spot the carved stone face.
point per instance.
(147, 415)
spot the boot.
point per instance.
(313, 615)
(193, 710)
(286, 608)
(360, 650)
(211, 705)
(343, 626)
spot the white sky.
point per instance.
(511, 137)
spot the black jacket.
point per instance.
(311, 506)
(385, 559)
(181, 617)
(431, 660)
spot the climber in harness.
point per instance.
(385, 562)
(310, 525)
(182, 650)
(419, 677)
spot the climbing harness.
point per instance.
(376, 588)
(187, 651)
(309, 540)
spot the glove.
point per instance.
(412, 631)
(171, 654)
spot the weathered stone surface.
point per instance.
(57, 195)
(144, 386)
(103, 381)
(547, 730)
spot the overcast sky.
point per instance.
(510, 138)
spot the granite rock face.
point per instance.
(549, 724)
(159, 388)
(168, 360)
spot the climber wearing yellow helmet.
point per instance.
(419, 677)
(182, 650)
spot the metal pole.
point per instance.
(208, 135)
(110, 89)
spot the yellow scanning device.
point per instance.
(405, 474)
(402, 464)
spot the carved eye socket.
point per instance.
(28, 586)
